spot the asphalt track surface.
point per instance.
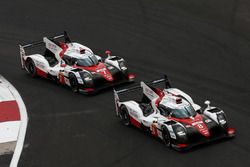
(203, 46)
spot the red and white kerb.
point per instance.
(9, 118)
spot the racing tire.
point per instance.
(31, 67)
(166, 137)
(73, 83)
(124, 116)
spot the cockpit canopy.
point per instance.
(182, 111)
(83, 59)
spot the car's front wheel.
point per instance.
(124, 116)
(73, 83)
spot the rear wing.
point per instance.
(164, 79)
(143, 85)
(22, 48)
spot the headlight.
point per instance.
(87, 76)
(123, 65)
(221, 119)
(180, 131)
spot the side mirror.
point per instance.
(207, 102)
(108, 52)
(200, 111)
(98, 58)
(170, 115)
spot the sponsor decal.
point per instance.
(133, 113)
(40, 64)
(52, 47)
(208, 120)
(149, 92)
(110, 67)
(171, 132)
(102, 70)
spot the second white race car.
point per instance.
(172, 115)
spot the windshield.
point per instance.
(87, 60)
(183, 112)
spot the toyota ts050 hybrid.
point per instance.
(171, 115)
(70, 63)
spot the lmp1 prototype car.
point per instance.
(171, 115)
(70, 63)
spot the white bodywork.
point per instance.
(155, 121)
(60, 71)
(60, 68)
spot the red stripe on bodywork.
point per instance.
(100, 68)
(161, 94)
(64, 47)
(196, 122)
(9, 111)
(135, 122)
(88, 89)
(41, 73)
(181, 145)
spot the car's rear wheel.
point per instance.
(31, 67)
(166, 137)
(73, 83)
(124, 116)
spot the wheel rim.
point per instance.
(31, 68)
(125, 117)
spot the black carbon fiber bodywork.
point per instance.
(194, 137)
(99, 82)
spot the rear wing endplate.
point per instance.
(40, 42)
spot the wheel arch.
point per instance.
(37, 58)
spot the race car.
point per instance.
(75, 65)
(171, 115)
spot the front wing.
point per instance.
(101, 84)
(185, 146)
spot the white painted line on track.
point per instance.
(23, 124)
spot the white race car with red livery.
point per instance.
(171, 115)
(73, 64)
